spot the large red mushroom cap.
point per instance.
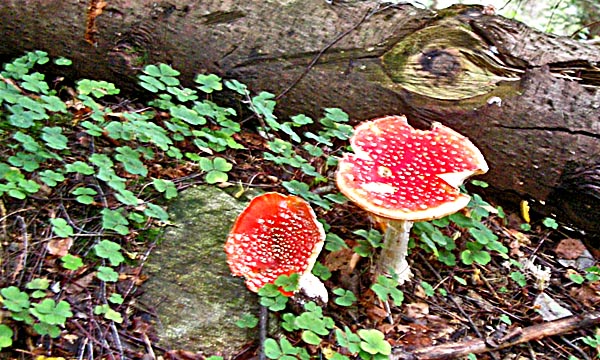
(398, 172)
(274, 235)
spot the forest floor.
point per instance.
(491, 305)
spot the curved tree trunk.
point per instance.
(530, 101)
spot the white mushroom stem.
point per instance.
(392, 259)
(312, 287)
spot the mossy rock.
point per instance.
(190, 286)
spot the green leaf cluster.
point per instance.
(46, 316)
(6, 335)
(386, 288)
(311, 322)
(38, 126)
(271, 295)
(367, 343)
(247, 321)
(108, 313)
(345, 297)
(308, 152)
(433, 239)
(216, 169)
(370, 241)
(284, 350)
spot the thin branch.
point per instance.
(25, 245)
(474, 327)
(581, 353)
(516, 336)
(262, 331)
(335, 40)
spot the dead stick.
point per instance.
(262, 331)
(478, 346)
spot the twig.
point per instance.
(142, 262)
(117, 339)
(149, 348)
(576, 348)
(113, 328)
(583, 28)
(61, 206)
(90, 338)
(6, 216)
(335, 40)
(531, 352)
(479, 346)
(82, 349)
(491, 289)
(262, 331)
(25, 245)
(458, 307)
(3, 222)
(91, 349)
(386, 304)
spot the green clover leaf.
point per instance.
(107, 249)
(107, 274)
(374, 342)
(71, 262)
(209, 83)
(14, 299)
(61, 228)
(51, 313)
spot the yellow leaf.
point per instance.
(525, 211)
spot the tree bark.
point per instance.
(530, 101)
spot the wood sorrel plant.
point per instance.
(311, 153)
(96, 158)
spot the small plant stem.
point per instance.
(25, 245)
(392, 259)
(386, 304)
(263, 323)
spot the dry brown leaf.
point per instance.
(416, 310)
(519, 239)
(19, 267)
(386, 328)
(569, 249)
(417, 336)
(586, 294)
(353, 261)
(183, 355)
(376, 313)
(72, 338)
(59, 247)
(419, 292)
(82, 283)
(338, 260)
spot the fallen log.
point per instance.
(530, 101)
(516, 336)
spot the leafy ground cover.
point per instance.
(85, 175)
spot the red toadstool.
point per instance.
(277, 235)
(401, 175)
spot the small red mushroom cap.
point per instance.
(398, 172)
(274, 235)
